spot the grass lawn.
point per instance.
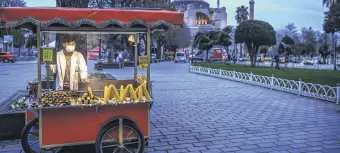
(324, 77)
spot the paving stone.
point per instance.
(266, 145)
(246, 147)
(331, 146)
(200, 144)
(212, 151)
(178, 151)
(179, 146)
(192, 112)
(230, 149)
(262, 150)
(215, 146)
(197, 149)
(282, 143)
(164, 148)
(245, 151)
(300, 145)
(282, 148)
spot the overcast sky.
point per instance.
(303, 13)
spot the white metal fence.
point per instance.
(295, 65)
(301, 88)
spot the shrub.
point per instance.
(307, 63)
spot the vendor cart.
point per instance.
(112, 127)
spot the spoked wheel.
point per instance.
(108, 139)
(30, 139)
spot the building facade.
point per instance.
(200, 17)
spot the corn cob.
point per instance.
(132, 93)
(121, 92)
(114, 93)
(89, 90)
(146, 92)
(136, 92)
(107, 92)
(140, 92)
(125, 93)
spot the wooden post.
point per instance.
(148, 57)
(39, 62)
(136, 57)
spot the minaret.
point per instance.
(218, 3)
(251, 15)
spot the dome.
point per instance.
(195, 3)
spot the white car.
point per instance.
(180, 57)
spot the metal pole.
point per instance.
(13, 45)
(39, 64)
(136, 57)
(100, 49)
(148, 58)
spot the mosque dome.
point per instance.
(195, 3)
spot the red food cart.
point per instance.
(114, 127)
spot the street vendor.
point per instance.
(70, 65)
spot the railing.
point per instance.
(301, 88)
(295, 65)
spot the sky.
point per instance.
(304, 13)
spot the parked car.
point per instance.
(197, 56)
(7, 57)
(180, 57)
(295, 61)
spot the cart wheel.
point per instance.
(108, 142)
(30, 139)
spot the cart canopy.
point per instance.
(11, 17)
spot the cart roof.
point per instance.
(79, 17)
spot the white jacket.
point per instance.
(78, 66)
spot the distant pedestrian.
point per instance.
(277, 60)
(115, 55)
(121, 59)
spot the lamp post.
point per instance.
(100, 64)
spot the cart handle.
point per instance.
(116, 119)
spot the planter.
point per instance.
(113, 65)
(11, 121)
(102, 76)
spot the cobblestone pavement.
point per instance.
(200, 114)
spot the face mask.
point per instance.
(70, 48)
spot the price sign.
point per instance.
(143, 62)
(47, 55)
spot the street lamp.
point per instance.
(100, 64)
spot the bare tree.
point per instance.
(12, 3)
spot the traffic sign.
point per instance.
(143, 62)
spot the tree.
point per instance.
(300, 49)
(264, 50)
(162, 4)
(310, 39)
(12, 3)
(224, 38)
(206, 40)
(332, 25)
(181, 37)
(324, 52)
(292, 31)
(288, 43)
(242, 14)
(255, 33)
(329, 3)
(73, 3)
(19, 39)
